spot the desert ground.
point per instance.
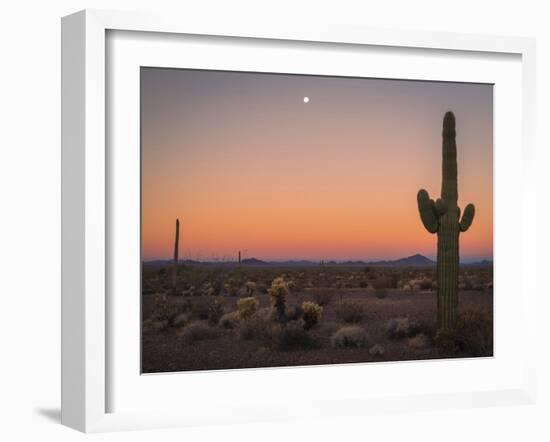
(243, 316)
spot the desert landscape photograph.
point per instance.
(298, 220)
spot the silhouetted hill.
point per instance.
(409, 261)
(412, 261)
(253, 261)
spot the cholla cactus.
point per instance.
(312, 314)
(279, 292)
(247, 307)
(250, 287)
(443, 217)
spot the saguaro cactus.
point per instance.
(443, 217)
(175, 263)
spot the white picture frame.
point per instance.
(86, 316)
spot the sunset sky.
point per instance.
(246, 164)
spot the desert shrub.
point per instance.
(381, 285)
(350, 311)
(291, 336)
(312, 314)
(350, 336)
(279, 291)
(377, 350)
(398, 328)
(257, 326)
(215, 312)
(294, 312)
(327, 328)
(230, 289)
(472, 335)
(418, 341)
(323, 297)
(180, 320)
(200, 308)
(197, 331)
(250, 288)
(229, 320)
(247, 307)
(426, 284)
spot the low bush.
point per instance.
(426, 284)
(197, 331)
(472, 335)
(312, 314)
(397, 328)
(180, 320)
(257, 326)
(350, 336)
(380, 286)
(377, 350)
(200, 308)
(350, 311)
(291, 336)
(418, 341)
(294, 312)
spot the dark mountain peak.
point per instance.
(253, 261)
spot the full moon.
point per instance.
(306, 99)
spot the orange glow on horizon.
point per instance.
(315, 182)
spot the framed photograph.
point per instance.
(250, 213)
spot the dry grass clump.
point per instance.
(418, 341)
(256, 326)
(350, 336)
(377, 350)
(472, 335)
(350, 311)
(247, 307)
(312, 314)
(397, 328)
(197, 331)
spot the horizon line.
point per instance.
(276, 260)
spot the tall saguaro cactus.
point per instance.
(175, 263)
(443, 217)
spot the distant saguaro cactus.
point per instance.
(175, 263)
(239, 257)
(443, 217)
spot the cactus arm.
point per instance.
(427, 210)
(467, 217)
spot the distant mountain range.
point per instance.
(409, 261)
